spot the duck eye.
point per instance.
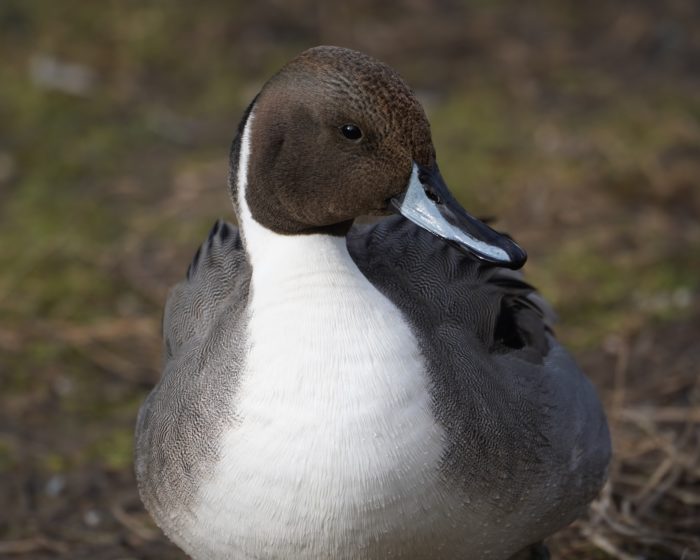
(351, 132)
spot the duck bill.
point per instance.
(429, 204)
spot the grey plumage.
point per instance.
(526, 432)
(204, 343)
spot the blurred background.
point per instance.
(576, 124)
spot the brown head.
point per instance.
(335, 135)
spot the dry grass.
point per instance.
(650, 507)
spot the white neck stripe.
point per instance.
(242, 179)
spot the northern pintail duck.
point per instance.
(334, 391)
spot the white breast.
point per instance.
(335, 449)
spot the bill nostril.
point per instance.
(432, 195)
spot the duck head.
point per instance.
(335, 135)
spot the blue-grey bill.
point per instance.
(428, 203)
